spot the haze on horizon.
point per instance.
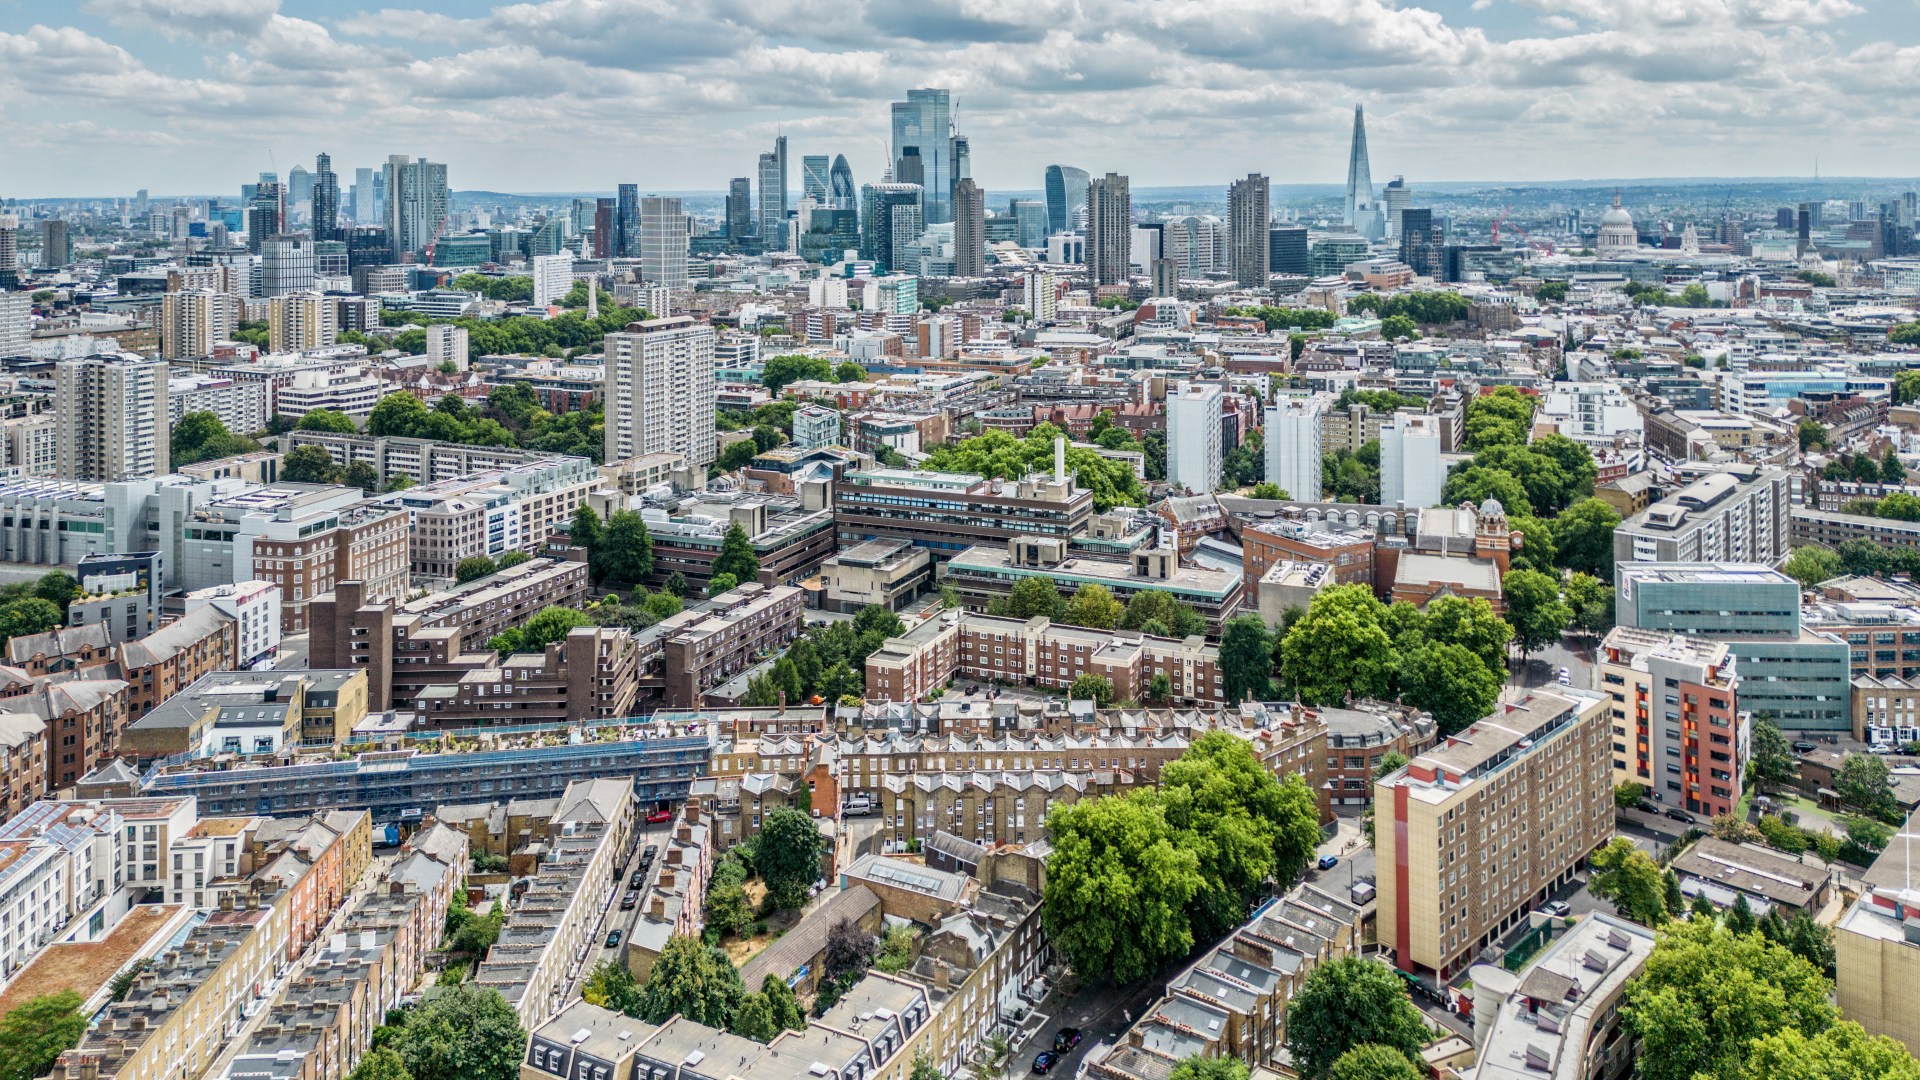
(197, 96)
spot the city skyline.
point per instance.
(136, 94)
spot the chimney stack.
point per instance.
(1059, 459)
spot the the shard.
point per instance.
(1359, 176)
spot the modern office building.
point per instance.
(416, 202)
(922, 128)
(1293, 440)
(842, 195)
(300, 322)
(192, 321)
(890, 222)
(626, 221)
(1066, 198)
(1287, 250)
(739, 210)
(1361, 213)
(325, 199)
(814, 181)
(288, 264)
(969, 229)
(661, 390)
(1677, 729)
(1798, 677)
(1194, 455)
(946, 513)
(1738, 515)
(773, 195)
(663, 242)
(984, 574)
(1474, 833)
(1109, 230)
(1412, 473)
(113, 418)
(1248, 243)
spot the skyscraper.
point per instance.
(56, 245)
(1397, 196)
(1109, 231)
(113, 418)
(1287, 250)
(908, 168)
(1247, 239)
(299, 186)
(552, 278)
(661, 390)
(890, 219)
(773, 195)
(663, 242)
(605, 232)
(626, 222)
(1194, 457)
(193, 319)
(416, 202)
(1411, 470)
(924, 123)
(969, 229)
(9, 251)
(1293, 440)
(840, 188)
(264, 217)
(813, 178)
(1031, 217)
(288, 264)
(1359, 173)
(364, 210)
(960, 153)
(1166, 277)
(326, 200)
(739, 208)
(297, 322)
(1417, 248)
(1066, 198)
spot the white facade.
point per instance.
(68, 859)
(352, 391)
(288, 264)
(1293, 432)
(1041, 296)
(1194, 454)
(16, 315)
(1591, 411)
(1411, 472)
(815, 426)
(241, 406)
(113, 418)
(254, 606)
(663, 243)
(552, 278)
(449, 343)
(661, 390)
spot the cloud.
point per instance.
(172, 19)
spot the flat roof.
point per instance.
(85, 966)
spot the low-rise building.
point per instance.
(1360, 737)
(983, 574)
(890, 573)
(1725, 872)
(789, 537)
(949, 512)
(591, 674)
(1558, 1018)
(1886, 710)
(676, 898)
(1877, 947)
(689, 654)
(254, 607)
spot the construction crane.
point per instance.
(1545, 246)
(1498, 220)
(438, 231)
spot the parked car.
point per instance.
(1646, 807)
(1880, 748)
(630, 901)
(1065, 1039)
(1328, 862)
(1044, 1061)
(659, 817)
(638, 879)
(1559, 909)
(1805, 746)
(646, 857)
(613, 939)
(1677, 814)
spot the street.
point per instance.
(610, 916)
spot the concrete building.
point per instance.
(1558, 1018)
(192, 321)
(946, 513)
(254, 607)
(1677, 725)
(1877, 947)
(789, 536)
(663, 243)
(983, 574)
(1248, 250)
(1725, 872)
(448, 344)
(1533, 777)
(491, 513)
(300, 321)
(113, 418)
(241, 406)
(424, 461)
(890, 573)
(661, 390)
(700, 649)
(1194, 453)
(1737, 515)
(1109, 230)
(592, 674)
(1412, 472)
(552, 278)
(1294, 438)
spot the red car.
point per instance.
(659, 817)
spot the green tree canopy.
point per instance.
(327, 420)
(1375, 1062)
(1629, 879)
(1471, 623)
(35, 1032)
(464, 1032)
(310, 465)
(1535, 609)
(693, 980)
(1093, 605)
(1090, 687)
(1583, 538)
(787, 856)
(623, 551)
(1350, 1002)
(998, 454)
(1031, 597)
(1842, 1052)
(1118, 886)
(736, 555)
(1450, 682)
(1245, 825)
(1199, 1067)
(473, 568)
(1338, 649)
(1246, 658)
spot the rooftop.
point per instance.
(1548, 1010)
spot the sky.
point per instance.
(101, 97)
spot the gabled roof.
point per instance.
(167, 642)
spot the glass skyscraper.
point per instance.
(1066, 198)
(813, 178)
(924, 122)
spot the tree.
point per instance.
(1906, 384)
(327, 420)
(1339, 649)
(1450, 682)
(1590, 604)
(398, 413)
(1245, 825)
(1159, 689)
(1246, 658)
(1905, 334)
(1118, 885)
(1812, 564)
(896, 950)
(1631, 880)
(549, 625)
(1157, 606)
(309, 465)
(1740, 918)
(754, 1020)
(473, 568)
(27, 615)
(693, 980)
(1476, 484)
(1467, 622)
(611, 985)
(1702, 909)
(1031, 597)
(781, 370)
(925, 1069)
(678, 585)
(1092, 605)
(1772, 762)
(1090, 687)
(728, 909)
(736, 455)
(1347, 1003)
(849, 950)
(736, 555)
(1374, 1062)
(1201, 1067)
(624, 551)
(36, 1031)
(585, 529)
(1842, 1052)
(1862, 782)
(1583, 538)
(381, 1063)
(1535, 609)
(1707, 994)
(786, 1009)
(787, 857)
(57, 587)
(878, 619)
(1812, 434)
(998, 454)
(720, 583)
(1397, 327)
(465, 1032)
(1627, 795)
(1268, 490)
(848, 371)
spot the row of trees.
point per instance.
(1425, 308)
(1287, 318)
(200, 436)
(1862, 468)
(778, 371)
(1134, 880)
(572, 332)
(37, 606)
(998, 454)
(828, 661)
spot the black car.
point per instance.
(1065, 1039)
(638, 879)
(646, 857)
(1646, 807)
(1677, 814)
(1044, 1061)
(1802, 746)
(630, 901)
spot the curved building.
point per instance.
(1066, 198)
(1618, 236)
(840, 192)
